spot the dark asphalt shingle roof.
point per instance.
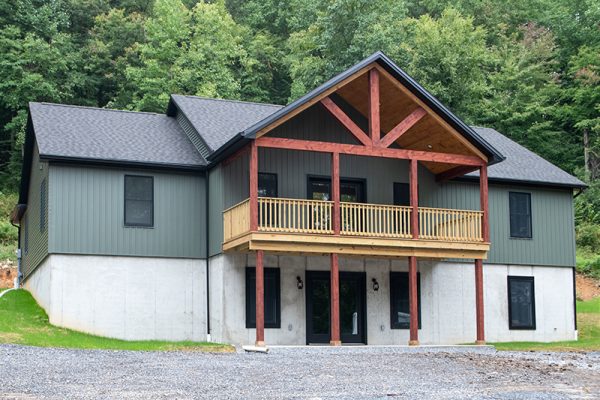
(101, 134)
(218, 120)
(522, 164)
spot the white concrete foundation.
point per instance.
(131, 298)
(447, 301)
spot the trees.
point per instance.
(529, 69)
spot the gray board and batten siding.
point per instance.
(88, 213)
(34, 232)
(552, 208)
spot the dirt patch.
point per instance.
(8, 273)
(587, 288)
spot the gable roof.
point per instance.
(73, 133)
(216, 120)
(522, 164)
(382, 60)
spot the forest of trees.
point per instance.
(530, 69)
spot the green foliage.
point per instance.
(23, 321)
(529, 69)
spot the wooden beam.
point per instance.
(403, 126)
(438, 118)
(335, 191)
(374, 115)
(260, 299)
(413, 301)
(335, 301)
(327, 147)
(479, 301)
(312, 102)
(253, 186)
(345, 120)
(454, 173)
(483, 199)
(414, 198)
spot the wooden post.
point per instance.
(479, 301)
(374, 121)
(413, 301)
(414, 198)
(253, 186)
(335, 302)
(260, 299)
(483, 198)
(335, 191)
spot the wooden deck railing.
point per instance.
(236, 220)
(356, 219)
(294, 215)
(451, 225)
(360, 219)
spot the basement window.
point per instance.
(520, 215)
(139, 201)
(521, 302)
(399, 300)
(272, 298)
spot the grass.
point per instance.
(23, 321)
(588, 324)
(588, 263)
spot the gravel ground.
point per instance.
(303, 372)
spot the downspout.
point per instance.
(207, 224)
(18, 279)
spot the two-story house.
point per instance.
(363, 212)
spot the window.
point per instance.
(399, 300)
(351, 190)
(139, 201)
(43, 206)
(267, 184)
(520, 215)
(521, 302)
(272, 298)
(401, 194)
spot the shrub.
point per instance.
(588, 237)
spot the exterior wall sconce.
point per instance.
(299, 283)
(375, 284)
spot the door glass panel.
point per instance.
(349, 307)
(320, 317)
(319, 190)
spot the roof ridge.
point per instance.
(229, 100)
(97, 108)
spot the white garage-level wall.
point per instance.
(447, 301)
(131, 298)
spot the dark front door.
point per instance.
(352, 307)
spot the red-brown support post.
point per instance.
(374, 121)
(335, 301)
(260, 299)
(253, 186)
(335, 191)
(483, 198)
(479, 301)
(414, 198)
(413, 301)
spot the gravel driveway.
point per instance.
(312, 373)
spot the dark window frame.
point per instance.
(271, 174)
(395, 275)
(510, 216)
(138, 225)
(251, 297)
(362, 181)
(43, 200)
(511, 326)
